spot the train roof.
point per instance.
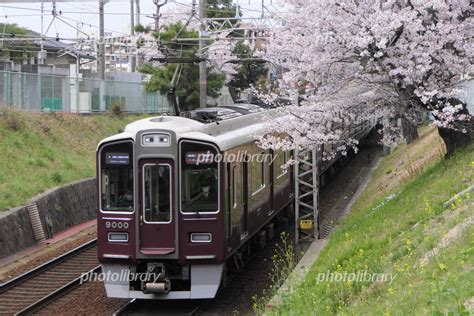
(232, 131)
(245, 108)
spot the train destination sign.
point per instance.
(117, 158)
(200, 157)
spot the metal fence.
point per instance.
(42, 92)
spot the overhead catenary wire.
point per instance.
(89, 12)
(90, 41)
(63, 12)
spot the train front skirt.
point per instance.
(205, 281)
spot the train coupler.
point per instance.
(158, 287)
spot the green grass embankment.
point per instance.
(43, 150)
(426, 247)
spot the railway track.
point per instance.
(237, 296)
(148, 307)
(36, 288)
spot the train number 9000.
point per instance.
(118, 225)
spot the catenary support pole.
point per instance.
(202, 64)
(132, 32)
(101, 55)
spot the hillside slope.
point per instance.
(400, 229)
(44, 150)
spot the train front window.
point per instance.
(157, 193)
(199, 178)
(116, 177)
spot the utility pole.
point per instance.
(101, 54)
(137, 19)
(101, 57)
(132, 32)
(41, 53)
(157, 15)
(202, 64)
(137, 11)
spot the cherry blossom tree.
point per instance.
(371, 60)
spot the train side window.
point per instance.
(258, 174)
(232, 196)
(281, 160)
(157, 193)
(234, 188)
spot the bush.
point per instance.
(45, 127)
(116, 108)
(57, 177)
(13, 120)
(48, 154)
(142, 29)
(40, 162)
(284, 261)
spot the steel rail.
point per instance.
(45, 266)
(123, 308)
(32, 308)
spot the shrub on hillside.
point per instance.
(116, 108)
(13, 120)
(57, 177)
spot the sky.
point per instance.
(84, 15)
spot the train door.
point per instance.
(245, 198)
(157, 205)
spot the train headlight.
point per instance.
(118, 237)
(201, 237)
(156, 139)
(148, 140)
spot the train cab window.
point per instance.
(258, 175)
(199, 178)
(157, 193)
(116, 177)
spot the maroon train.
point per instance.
(179, 197)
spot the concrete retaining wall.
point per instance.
(59, 209)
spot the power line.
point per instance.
(94, 26)
(88, 12)
(6, 16)
(212, 26)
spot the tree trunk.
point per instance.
(409, 130)
(232, 92)
(453, 139)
